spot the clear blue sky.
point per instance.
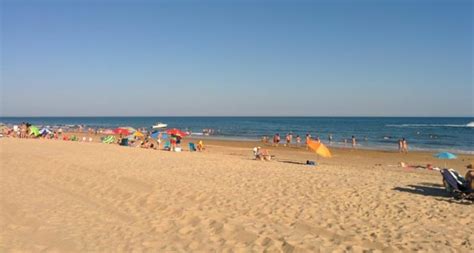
(342, 58)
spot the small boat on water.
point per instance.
(159, 125)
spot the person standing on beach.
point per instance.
(288, 139)
(354, 143)
(330, 138)
(276, 139)
(298, 141)
(308, 138)
(400, 145)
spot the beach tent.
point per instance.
(319, 148)
(34, 131)
(109, 139)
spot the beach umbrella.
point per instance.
(138, 134)
(445, 156)
(319, 148)
(34, 131)
(154, 135)
(121, 131)
(176, 132)
(108, 131)
(130, 129)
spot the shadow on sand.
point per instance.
(425, 189)
(433, 190)
(291, 162)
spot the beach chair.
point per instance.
(167, 145)
(456, 185)
(124, 142)
(192, 147)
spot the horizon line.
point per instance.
(236, 116)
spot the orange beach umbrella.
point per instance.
(319, 148)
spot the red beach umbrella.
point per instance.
(121, 131)
(176, 132)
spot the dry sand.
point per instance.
(76, 197)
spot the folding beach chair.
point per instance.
(456, 184)
(192, 147)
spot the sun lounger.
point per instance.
(456, 184)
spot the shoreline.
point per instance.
(377, 157)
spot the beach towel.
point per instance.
(109, 139)
(167, 145)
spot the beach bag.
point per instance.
(308, 162)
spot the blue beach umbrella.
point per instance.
(445, 155)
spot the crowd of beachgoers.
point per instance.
(296, 141)
(125, 136)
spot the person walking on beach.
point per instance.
(400, 145)
(404, 146)
(330, 138)
(354, 143)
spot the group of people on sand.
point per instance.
(289, 140)
(402, 145)
(24, 130)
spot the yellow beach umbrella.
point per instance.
(138, 134)
(319, 148)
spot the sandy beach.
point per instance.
(60, 196)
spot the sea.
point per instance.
(422, 133)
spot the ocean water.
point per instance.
(447, 134)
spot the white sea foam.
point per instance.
(470, 124)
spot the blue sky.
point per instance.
(302, 58)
